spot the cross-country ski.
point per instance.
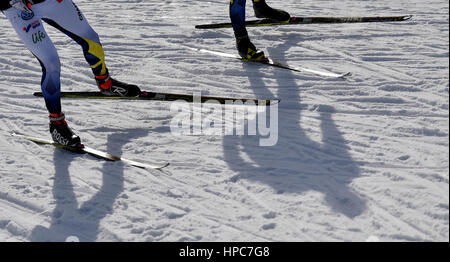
(296, 20)
(161, 96)
(91, 151)
(269, 61)
(222, 128)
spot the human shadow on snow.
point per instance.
(72, 221)
(296, 164)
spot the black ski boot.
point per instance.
(262, 10)
(246, 49)
(62, 134)
(111, 87)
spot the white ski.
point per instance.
(271, 62)
(93, 152)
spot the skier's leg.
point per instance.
(67, 17)
(245, 47)
(237, 15)
(35, 38)
(32, 33)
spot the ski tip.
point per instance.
(407, 17)
(163, 166)
(344, 76)
(154, 167)
(146, 165)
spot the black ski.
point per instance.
(93, 152)
(311, 20)
(163, 97)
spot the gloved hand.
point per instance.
(23, 5)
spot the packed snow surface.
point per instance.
(361, 159)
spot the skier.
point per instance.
(237, 14)
(26, 18)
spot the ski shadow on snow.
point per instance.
(69, 218)
(296, 164)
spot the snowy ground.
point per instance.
(357, 159)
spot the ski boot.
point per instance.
(112, 87)
(262, 10)
(62, 134)
(247, 50)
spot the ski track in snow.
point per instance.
(355, 159)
